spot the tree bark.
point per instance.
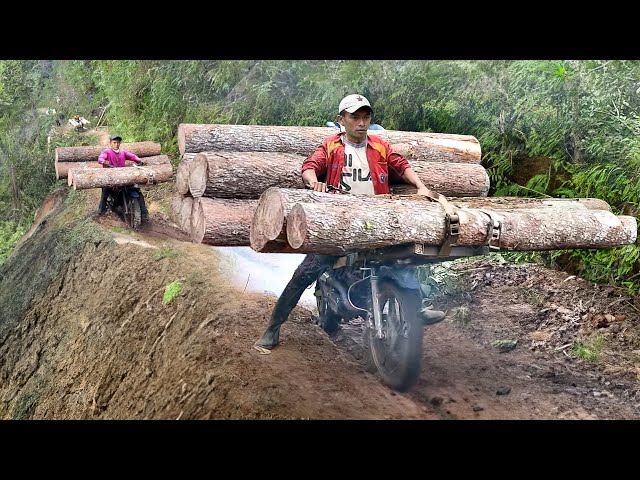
(120, 177)
(459, 179)
(249, 174)
(269, 221)
(227, 223)
(440, 147)
(335, 229)
(243, 174)
(223, 223)
(87, 154)
(62, 168)
(505, 203)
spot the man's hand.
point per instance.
(106, 164)
(317, 186)
(425, 191)
(141, 163)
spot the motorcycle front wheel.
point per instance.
(397, 356)
(134, 215)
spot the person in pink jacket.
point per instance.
(116, 157)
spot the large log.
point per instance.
(243, 174)
(269, 222)
(435, 147)
(62, 168)
(337, 228)
(248, 174)
(525, 202)
(460, 179)
(223, 223)
(120, 177)
(268, 225)
(226, 223)
(87, 154)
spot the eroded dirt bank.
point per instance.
(98, 341)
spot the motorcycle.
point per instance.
(126, 201)
(381, 287)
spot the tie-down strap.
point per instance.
(493, 231)
(452, 226)
(452, 223)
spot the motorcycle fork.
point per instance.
(375, 302)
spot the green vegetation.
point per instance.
(591, 349)
(10, 233)
(25, 406)
(547, 127)
(165, 252)
(171, 291)
(504, 345)
(461, 315)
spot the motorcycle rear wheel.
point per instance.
(327, 320)
(398, 355)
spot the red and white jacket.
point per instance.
(328, 159)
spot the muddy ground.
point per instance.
(103, 340)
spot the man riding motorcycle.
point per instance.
(353, 161)
(115, 157)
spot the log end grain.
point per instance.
(198, 175)
(296, 226)
(198, 221)
(269, 219)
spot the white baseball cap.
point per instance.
(351, 103)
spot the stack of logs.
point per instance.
(240, 185)
(81, 168)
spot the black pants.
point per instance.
(102, 206)
(307, 272)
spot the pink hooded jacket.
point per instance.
(117, 159)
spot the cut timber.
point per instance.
(226, 223)
(186, 214)
(249, 174)
(459, 179)
(62, 168)
(87, 154)
(120, 177)
(336, 229)
(440, 147)
(269, 221)
(176, 208)
(182, 173)
(526, 202)
(445, 151)
(243, 174)
(268, 227)
(223, 223)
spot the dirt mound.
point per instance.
(145, 325)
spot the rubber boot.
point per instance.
(431, 316)
(306, 273)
